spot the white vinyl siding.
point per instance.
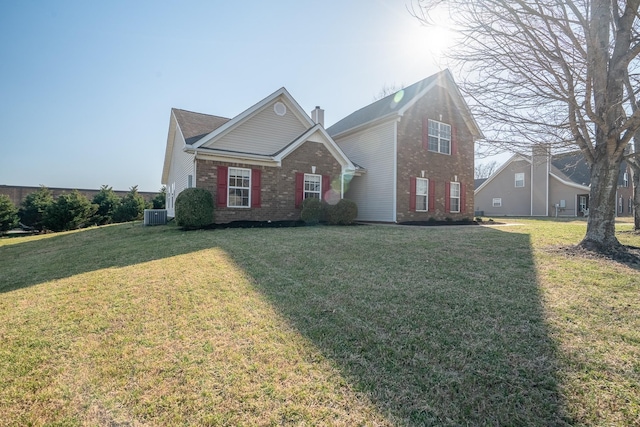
(181, 168)
(265, 133)
(374, 191)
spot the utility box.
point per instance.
(155, 216)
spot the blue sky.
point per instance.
(86, 88)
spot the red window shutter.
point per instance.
(432, 195)
(221, 196)
(255, 188)
(412, 193)
(463, 199)
(425, 133)
(454, 140)
(299, 189)
(447, 196)
(326, 186)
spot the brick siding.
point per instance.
(277, 183)
(442, 168)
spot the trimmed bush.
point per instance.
(8, 213)
(194, 208)
(342, 213)
(311, 211)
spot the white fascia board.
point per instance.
(251, 111)
(329, 143)
(251, 159)
(515, 157)
(569, 183)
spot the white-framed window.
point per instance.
(625, 179)
(189, 181)
(422, 194)
(312, 186)
(621, 205)
(239, 188)
(454, 197)
(497, 202)
(439, 137)
(520, 180)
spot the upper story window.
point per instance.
(519, 180)
(439, 137)
(312, 185)
(422, 194)
(625, 179)
(497, 202)
(239, 187)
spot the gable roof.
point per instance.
(195, 126)
(570, 168)
(397, 103)
(252, 111)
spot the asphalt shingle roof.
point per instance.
(382, 107)
(195, 126)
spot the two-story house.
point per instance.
(406, 157)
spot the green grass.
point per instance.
(369, 325)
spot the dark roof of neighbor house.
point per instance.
(382, 107)
(195, 126)
(478, 182)
(574, 166)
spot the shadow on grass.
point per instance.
(435, 327)
(28, 261)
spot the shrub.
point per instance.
(342, 213)
(69, 212)
(108, 202)
(160, 200)
(8, 213)
(194, 208)
(311, 211)
(34, 207)
(131, 207)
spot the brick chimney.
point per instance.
(317, 115)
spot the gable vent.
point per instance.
(280, 108)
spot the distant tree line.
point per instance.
(69, 211)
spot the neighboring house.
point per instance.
(259, 165)
(545, 185)
(417, 146)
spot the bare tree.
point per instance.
(561, 73)
(485, 170)
(387, 90)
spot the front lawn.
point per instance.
(370, 325)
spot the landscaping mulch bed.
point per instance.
(627, 255)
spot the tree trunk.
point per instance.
(601, 224)
(635, 179)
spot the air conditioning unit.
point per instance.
(155, 216)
